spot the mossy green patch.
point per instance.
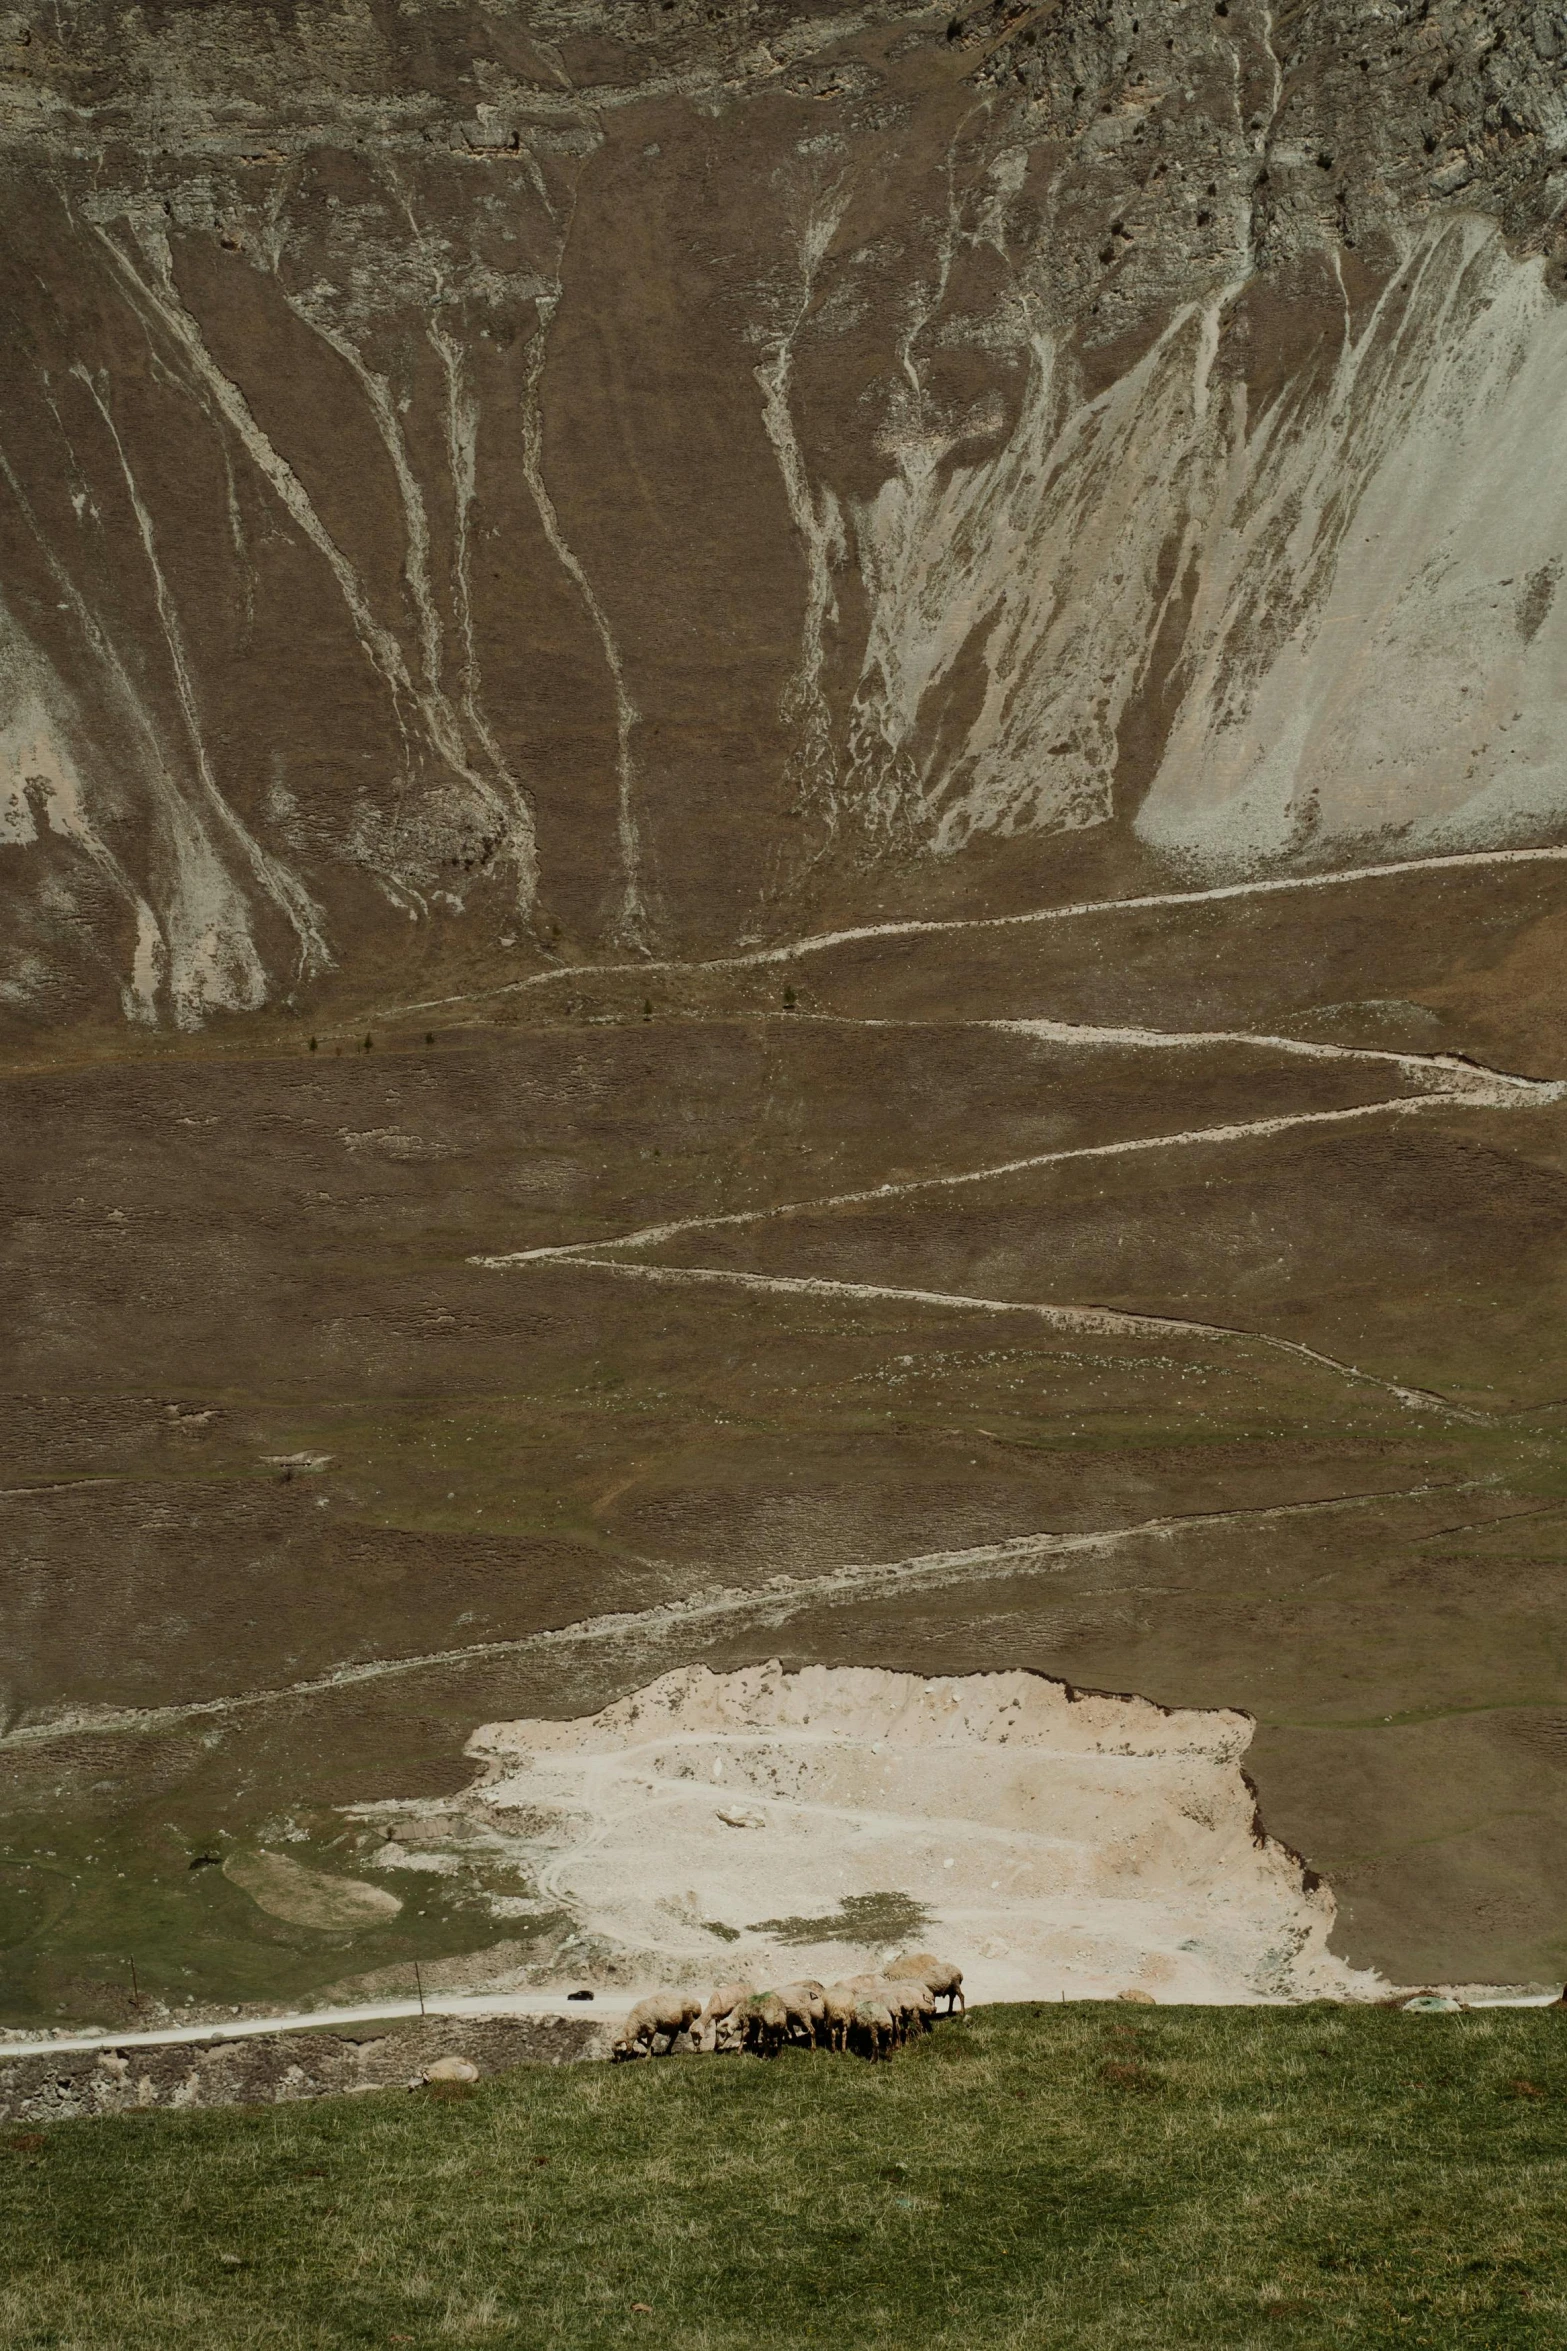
(858, 1919)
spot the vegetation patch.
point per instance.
(859, 1918)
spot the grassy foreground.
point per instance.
(1085, 2176)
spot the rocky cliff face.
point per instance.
(627, 475)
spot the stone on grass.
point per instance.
(452, 2069)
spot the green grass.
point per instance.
(1052, 2178)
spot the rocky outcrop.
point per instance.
(481, 488)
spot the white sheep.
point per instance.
(881, 1993)
(720, 2008)
(661, 2013)
(766, 2022)
(942, 1978)
(807, 2006)
(912, 1999)
(876, 2011)
(838, 2003)
(873, 2021)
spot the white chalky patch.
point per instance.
(1057, 1843)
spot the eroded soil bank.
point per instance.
(62, 2084)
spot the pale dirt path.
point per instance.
(1464, 1083)
(782, 1597)
(613, 2004)
(1458, 1070)
(818, 942)
(1086, 1321)
(1507, 1093)
(1469, 1085)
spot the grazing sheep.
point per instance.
(880, 1992)
(720, 2008)
(839, 2004)
(818, 1998)
(939, 1974)
(910, 2000)
(807, 2008)
(663, 2015)
(873, 2012)
(873, 2025)
(729, 2034)
(766, 2021)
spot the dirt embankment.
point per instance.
(62, 2085)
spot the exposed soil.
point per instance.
(1056, 1844)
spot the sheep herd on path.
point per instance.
(872, 2014)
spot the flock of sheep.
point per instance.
(873, 2014)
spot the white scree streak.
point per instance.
(1361, 653)
(1356, 551)
(33, 745)
(284, 888)
(771, 1604)
(818, 521)
(157, 300)
(631, 922)
(202, 951)
(501, 800)
(462, 455)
